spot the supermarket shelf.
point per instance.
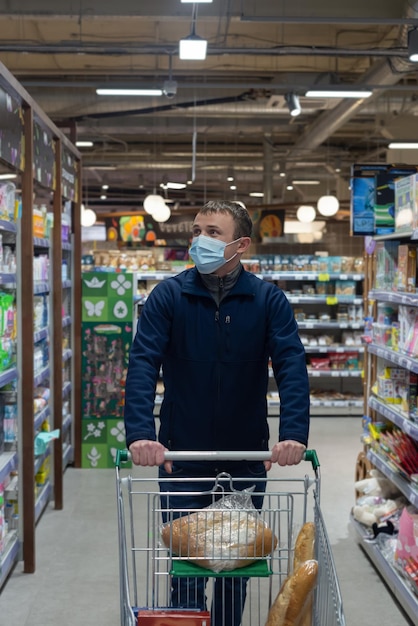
(334, 373)
(66, 424)
(41, 416)
(410, 299)
(331, 300)
(66, 321)
(334, 349)
(8, 280)
(8, 376)
(324, 408)
(40, 287)
(331, 324)
(8, 226)
(319, 276)
(398, 586)
(10, 556)
(41, 242)
(403, 485)
(66, 389)
(42, 500)
(410, 428)
(41, 376)
(8, 462)
(67, 455)
(67, 354)
(398, 358)
(40, 459)
(40, 334)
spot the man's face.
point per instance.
(216, 225)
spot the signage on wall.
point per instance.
(11, 130)
(372, 207)
(268, 225)
(143, 230)
(43, 155)
(69, 176)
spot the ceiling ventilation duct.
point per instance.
(383, 73)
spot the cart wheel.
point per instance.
(363, 467)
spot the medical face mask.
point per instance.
(208, 253)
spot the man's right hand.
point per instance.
(149, 453)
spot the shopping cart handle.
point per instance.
(123, 456)
(312, 457)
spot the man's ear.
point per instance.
(244, 244)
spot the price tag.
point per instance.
(323, 277)
(332, 300)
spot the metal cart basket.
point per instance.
(151, 569)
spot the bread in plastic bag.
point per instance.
(227, 535)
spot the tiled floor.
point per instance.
(77, 581)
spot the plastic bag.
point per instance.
(228, 534)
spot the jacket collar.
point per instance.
(193, 284)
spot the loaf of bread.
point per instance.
(220, 540)
(288, 607)
(305, 551)
(305, 545)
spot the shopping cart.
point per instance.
(150, 568)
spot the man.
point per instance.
(213, 329)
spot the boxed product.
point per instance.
(407, 268)
(406, 207)
(386, 264)
(173, 617)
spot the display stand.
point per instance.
(47, 166)
(382, 353)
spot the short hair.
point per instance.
(240, 215)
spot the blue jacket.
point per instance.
(215, 366)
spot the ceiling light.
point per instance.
(105, 186)
(328, 205)
(162, 213)
(256, 194)
(292, 101)
(84, 144)
(8, 176)
(289, 187)
(129, 92)
(306, 182)
(153, 202)
(403, 145)
(173, 185)
(193, 48)
(282, 174)
(338, 93)
(88, 217)
(233, 187)
(413, 45)
(103, 197)
(306, 214)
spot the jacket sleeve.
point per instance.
(149, 344)
(289, 368)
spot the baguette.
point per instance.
(304, 551)
(221, 540)
(288, 607)
(305, 545)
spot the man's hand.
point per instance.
(145, 452)
(286, 453)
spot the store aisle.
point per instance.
(77, 580)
